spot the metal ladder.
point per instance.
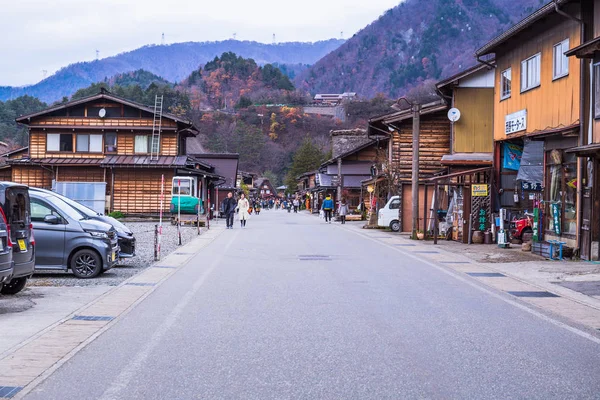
(156, 127)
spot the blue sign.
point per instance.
(512, 156)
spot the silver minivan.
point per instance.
(67, 240)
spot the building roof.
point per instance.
(144, 161)
(56, 161)
(104, 94)
(463, 74)
(468, 159)
(586, 50)
(520, 26)
(225, 165)
(429, 108)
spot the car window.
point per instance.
(39, 210)
(395, 205)
(67, 209)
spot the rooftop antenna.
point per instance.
(162, 40)
(234, 36)
(97, 54)
(44, 73)
(274, 41)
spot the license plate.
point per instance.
(22, 244)
(114, 256)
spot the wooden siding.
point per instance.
(32, 176)
(109, 123)
(125, 144)
(596, 18)
(137, 191)
(6, 174)
(555, 103)
(473, 132)
(80, 174)
(434, 143)
(423, 208)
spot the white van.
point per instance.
(388, 215)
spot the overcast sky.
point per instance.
(39, 35)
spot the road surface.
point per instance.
(293, 308)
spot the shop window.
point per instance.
(59, 142)
(560, 60)
(506, 83)
(110, 142)
(561, 184)
(530, 72)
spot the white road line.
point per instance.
(477, 286)
(131, 368)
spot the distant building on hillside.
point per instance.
(334, 99)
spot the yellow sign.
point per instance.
(479, 190)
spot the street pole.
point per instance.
(416, 108)
(339, 177)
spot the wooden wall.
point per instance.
(32, 176)
(137, 191)
(554, 103)
(434, 143)
(423, 208)
(81, 174)
(474, 131)
(100, 122)
(6, 174)
(596, 18)
(125, 144)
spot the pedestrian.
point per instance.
(242, 209)
(343, 210)
(229, 205)
(327, 208)
(296, 203)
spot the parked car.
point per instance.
(68, 240)
(125, 235)
(16, 216)
(388, 215)
(6, 266)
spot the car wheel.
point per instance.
(395, 226)
(14, 286)
(86, 264)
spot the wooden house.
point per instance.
(107, 139)
(265, 189)
(434, 144)
(588, 149)
(538, 115)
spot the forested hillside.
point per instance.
(172, 62)
(413, 42)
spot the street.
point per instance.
(293, 308)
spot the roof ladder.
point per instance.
(156, 127)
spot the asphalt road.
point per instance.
(262, 314)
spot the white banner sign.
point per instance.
(515, 122)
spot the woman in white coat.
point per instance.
(242, 207)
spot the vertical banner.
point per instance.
(556, 217)
(512, 156)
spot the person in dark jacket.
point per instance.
(327, 208)
(229, 206)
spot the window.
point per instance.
(89, 143)
(506, 83)
(561, 173)
(561, 62)
(597, 90)
(110, 143)
(59, 142)
(40, 209)
(142, 144)
(395, 205)
(530, 72)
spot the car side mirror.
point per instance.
(51, 219)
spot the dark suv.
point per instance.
(16, 209)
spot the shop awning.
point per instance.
(586, 50)
(587, 150)
(467, 159)
(532, 162)
(457, 174)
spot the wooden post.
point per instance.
(425, 211)
(436, 221)
(339, 177)
(415, 169)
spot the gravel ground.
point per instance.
(144, 234)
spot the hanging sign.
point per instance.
(479, 190)
(512, 156)
(556, 217)
(515, 122)
(531, 187)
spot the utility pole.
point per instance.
(162, 39)
(339, 182)
(416, 109)
(97, 54)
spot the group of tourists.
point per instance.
(328, 207)
(244, 207)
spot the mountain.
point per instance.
(172, 62)
(413, 42)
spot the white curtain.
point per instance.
(141, 144)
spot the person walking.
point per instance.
(343, 210)
(327, 208)
(296, 203)
(229, 205)
(242, 208)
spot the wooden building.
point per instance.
(107, 139)
(434, 144)
(537, 116)
(588, 149)
(265, 189)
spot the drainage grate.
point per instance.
(426, 252)
(455, 262)
(7, 392)
(533, 294)
(314, 257)
(486, 274)
(164, 266)
(140, 284)
(405, 245)
(92, 318)
(183, 254)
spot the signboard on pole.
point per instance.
(478, 190)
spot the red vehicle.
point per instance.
(521, 227)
